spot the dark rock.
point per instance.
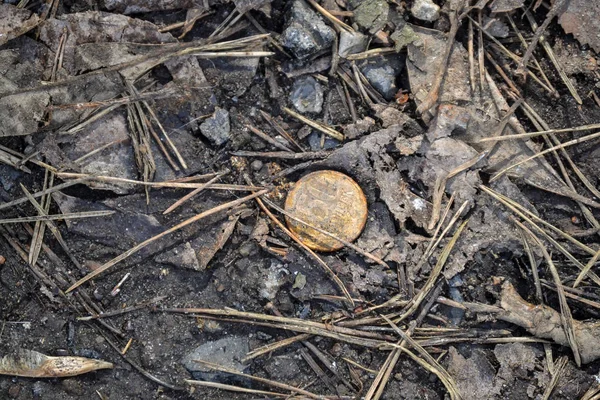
(217, 127)
(306, 33)
(307, 95)
(314, 141)
(381, 73)
(227, 352)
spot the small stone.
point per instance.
(352, 43)
(496, 27)
(307, 95)
(314, 141)
(13, 391)
(305, 33)
(372, 14)
(263, 336)
(226, 352)
(381, 73)
(256, 165)
(99, 339)
(246, 249)
(425, 10)
(217, 128)
(73, 387)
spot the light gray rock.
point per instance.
(305, 33)
(227, 352)
(217, 128)
(307, 95)
(425, 10)
(352, 43)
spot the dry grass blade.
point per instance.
(236, 389)
(317, 125)
(267, 138)
(194, 193)
(541, 153)
(593, 393)
(428, 362)
(53, 228)
(558, 372)
(587, 269)
(435, 272)
(40, 225)
(331, 17)
(175, 228)
(540, 133)
(565, 311)
(314, 255)
(530, 217)
(31, 364)
(166, 135)
(268, 348)
(165, 184)
(279, 129)
(265, 381)
(55, 217)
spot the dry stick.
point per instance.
(55, 217)
(541, 124)
(308, 155)
(296, 239)
(267, 138)
(265, 381)
(167, 184)
(331, 235)
(540, 133)
(336, 22)
(53, 228)
(279, 129)
(432, 96)
(193, 193)
(175, 228)
(535, 61)
(502, 74)
(538, 290)
(271, 347)
(541, 153)
(565, 311)
(236, 389)
(166, 135)
(98, 150)
(317, 125)
(159, 143)
(412, 326)
(40, 227)
(428, 362)
(573, 296)
(557, 6)
(587, 268)
(480, 51)
(567, 81)
(435, 272)
(529, 216)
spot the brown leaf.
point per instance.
(32, 364)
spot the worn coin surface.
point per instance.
(328, 200)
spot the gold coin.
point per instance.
(328, 200)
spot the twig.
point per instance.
(193, 193)
(308, 155)
(317, 125)
(175, 228)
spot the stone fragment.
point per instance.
(217, 128)
(306, 33)
(352, 43)
(372, 14)
(425, 10)
(227, 352)
(307, 95)
(381, 73)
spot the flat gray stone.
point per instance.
(217, 128)
(306, 33)
(307, 95)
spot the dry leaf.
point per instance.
(582, 19)
(15, 21)
(32, 364)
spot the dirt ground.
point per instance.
(92, 89)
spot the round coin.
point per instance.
(328, 200)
